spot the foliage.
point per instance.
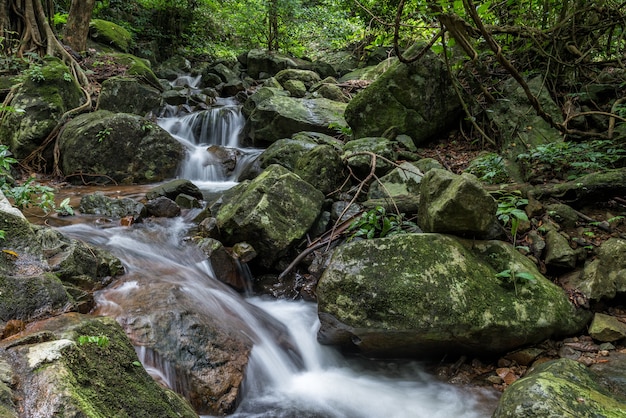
(103, 134)
(570, 160)
(29, 193)
(510, 211)
(377, 223)
(515, 278)
(101, 340)
(489, 168)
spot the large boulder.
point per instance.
(128, 95)
(563, 388)
(280, 117)
(44, 97)
(272, 212)
(323, 168)
(100, 204)
(75, 365)
(121, 147)
(456, 204)
(430, 294)
(415, 99)
(359, 152)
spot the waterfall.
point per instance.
(215, 158)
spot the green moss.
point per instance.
(107, 382)
(111, 34)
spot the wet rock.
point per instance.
(173, 188)
(99, 204)
(455, 204)
(187, 202)
(343, 210)
(296, 88)
(244, 251)
(162, 207)
(77, 263)
(271, 212)
(58, 375)
(417, 294)
(561, 385)
(607, 328)
(224, 265)
(261, 62)
(562, 214)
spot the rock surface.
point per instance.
(416, 294)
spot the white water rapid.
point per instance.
(325, 384)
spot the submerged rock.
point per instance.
(563, 388)
(428, 294)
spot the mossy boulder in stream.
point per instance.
(47, 93)
(82, 366)
(559, 388)
(104, 146)
(271, 213)
(431, 294)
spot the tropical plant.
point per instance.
(101, 341)
(377, 223)
(510, 211)
(515, 278)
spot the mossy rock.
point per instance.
(418, 295)
(128, 95)
(43, 102)
(138, 68)
(563, 388)
(118, 146)
(415, 99)
(27, 298)
(271, 213)
(280, 117)
(111, 34)
(323, 168)
(79, 365)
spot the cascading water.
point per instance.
(322, 383)
(212, 137)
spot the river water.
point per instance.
(325, 383)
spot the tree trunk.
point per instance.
(77, 28)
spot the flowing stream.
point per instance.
(324, 383)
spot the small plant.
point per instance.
(510, 211)
(31, 194)
(67, 77)
(35, 73)
(342, 130)
(101, 340)
(6, 160)
(489, 168)
(64, 208)
(147, 127)
(377, 223)
(515, 278)
(2, 234)
(103, 134)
